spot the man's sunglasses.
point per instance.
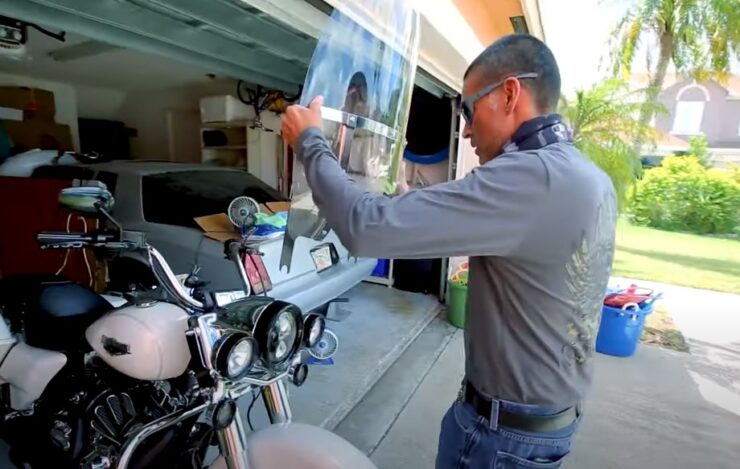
(468, 104)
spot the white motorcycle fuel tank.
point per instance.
(144, 342)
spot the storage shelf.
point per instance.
(387, 281)
(226, 147)
(224, 125)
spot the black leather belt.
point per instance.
(524, 422)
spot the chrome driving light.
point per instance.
(223, 414)
(313, 328)
(298, 374)
(234, 354)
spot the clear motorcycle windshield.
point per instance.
(364, 67)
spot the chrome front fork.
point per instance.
(276, 401)
(232, 440)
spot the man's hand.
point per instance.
(298, 118)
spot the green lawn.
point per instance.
(677, 258)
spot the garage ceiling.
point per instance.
(226, 37)
(82, 61)
(231, 38)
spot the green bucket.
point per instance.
(457, 304)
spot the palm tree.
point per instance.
(700, 37)
(603, 123)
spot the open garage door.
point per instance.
(265, 43)
(229, 37)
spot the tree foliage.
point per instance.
(604, 125)
(700, 37)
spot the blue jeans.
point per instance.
(468, 441)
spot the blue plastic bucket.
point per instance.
(620, 329)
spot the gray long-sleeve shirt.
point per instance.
(539, 229)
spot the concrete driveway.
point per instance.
(646, 411)
(656, 409)
(710, 323)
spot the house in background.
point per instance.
(711, 109)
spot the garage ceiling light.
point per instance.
(81, 51)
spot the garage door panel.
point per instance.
(236, 38)
(158, 26)
(128, 25)
(240, 22)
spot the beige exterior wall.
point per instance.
(490, 19)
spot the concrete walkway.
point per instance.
(643, 411)
(703, 316)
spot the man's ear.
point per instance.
(512, 91)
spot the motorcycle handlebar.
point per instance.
(168, 280)
(132, 241)
(65, 240)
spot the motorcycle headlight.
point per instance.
(282, 337)
(235, 354)
(313, 327)
(279, 331)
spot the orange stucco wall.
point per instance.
(489, 18)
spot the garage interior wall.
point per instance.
(146, 111)
(65, 99)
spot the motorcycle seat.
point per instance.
(52, 311)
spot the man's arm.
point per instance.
(481, 214)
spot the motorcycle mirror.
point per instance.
(87, 198)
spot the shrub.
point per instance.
(683, 195)
(699, 147)
(735, 172)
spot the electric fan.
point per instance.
(242, 211)
(326, 347)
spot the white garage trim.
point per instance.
(531, 9)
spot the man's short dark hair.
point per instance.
(522, 53)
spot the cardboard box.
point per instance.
(35, 103)
(41, 134)
(217, 227)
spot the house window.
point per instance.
(687, 118)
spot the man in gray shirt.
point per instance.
(537, 219)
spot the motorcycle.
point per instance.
(156, 382)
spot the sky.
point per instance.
(581, 44)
